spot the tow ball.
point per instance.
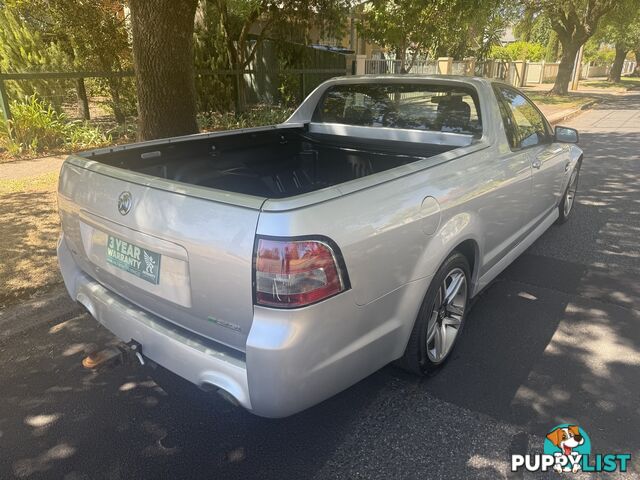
(120, 354)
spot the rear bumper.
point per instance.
(184, 353)
(294, 358)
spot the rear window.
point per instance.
(438, 108)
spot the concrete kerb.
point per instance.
(570, 113)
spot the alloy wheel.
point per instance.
(571, 193)
(446, 316)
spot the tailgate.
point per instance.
(184, 258)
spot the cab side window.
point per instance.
(509, 124)
(526, 126)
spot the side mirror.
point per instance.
(566, 135)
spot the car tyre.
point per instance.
(568, 199)
(440, 319)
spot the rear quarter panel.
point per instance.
(399, 231)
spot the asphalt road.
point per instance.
(555, 339)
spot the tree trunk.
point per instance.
(116, 104)
(565, 69)
(163, 64)
(616, 69)
(239, 91)
(401, 54)
(83, 101)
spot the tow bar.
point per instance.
(121, 354)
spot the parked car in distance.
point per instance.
(280, 265)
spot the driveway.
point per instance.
(555, 339)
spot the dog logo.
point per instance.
(567, 448)
(564, 440)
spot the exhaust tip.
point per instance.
(210, 387)
(228, 397)
(85, 302)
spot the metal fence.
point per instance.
(60, 89)
(98, 94)
(261, 85)
(280, 74)
(498, 69)
(374, 66)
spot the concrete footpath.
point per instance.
(19, 169)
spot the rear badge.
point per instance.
(232, 326)
(124, 203)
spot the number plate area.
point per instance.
(133, 258)
(136, 260)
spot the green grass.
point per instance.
(625, 83)
(47, 182)
(572, 100)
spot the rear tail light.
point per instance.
(295, 273)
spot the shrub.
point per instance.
(600, 56)
(36, 128)
(80, 135)
(518, 51)
(255, 117)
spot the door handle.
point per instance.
(536, 163)
(566, 167)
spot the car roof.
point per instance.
(407, 78)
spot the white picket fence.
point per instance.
(517, 73)
(628, 67)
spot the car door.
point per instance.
(548, 159)
(505, 212)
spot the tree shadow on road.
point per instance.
(29, 226)
(58, 419)
(556, 338)
(552, 341)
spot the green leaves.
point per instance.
(621, 25)
(36, 127)
(256, 116)
(23, 48)
(519, 50)
(433, 28)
